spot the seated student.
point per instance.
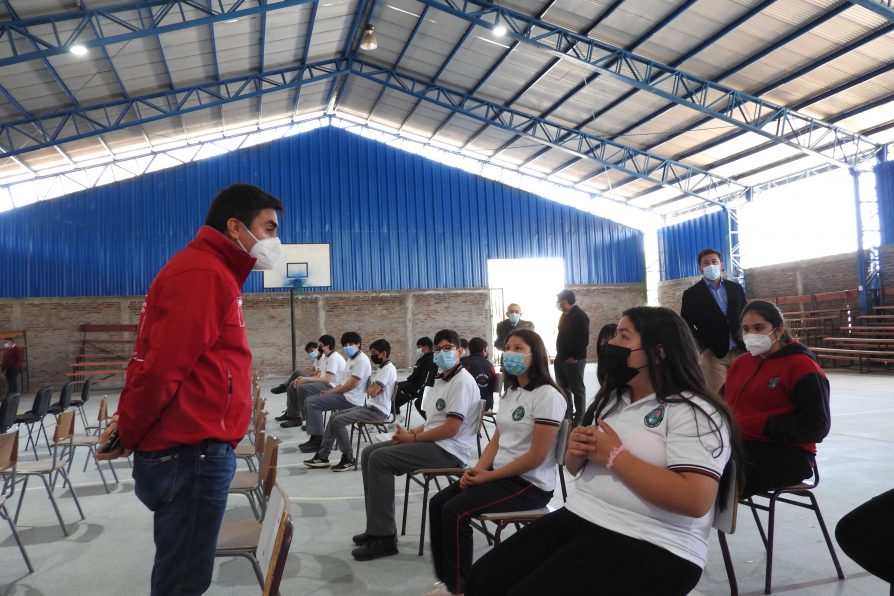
(422, 376)
(605, 334)
(866, 535)
(481, 370)
(780, 398)
(378, 407)
(350, 391)
(331, 365)
(516, 471)
(445, 440)
(650, 457)
(311, 348)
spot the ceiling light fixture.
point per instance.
(500, 29)
(368, 41)
(78, 50)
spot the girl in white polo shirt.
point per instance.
(517, 470)
(650, 457)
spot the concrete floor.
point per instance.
(110, 553)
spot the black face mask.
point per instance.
(614, 361)
(376, 359)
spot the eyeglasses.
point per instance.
(444, 349)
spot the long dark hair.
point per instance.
(673, 368)
(771, 314)
(538, 372)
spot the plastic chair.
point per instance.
(256, 486)
(39, 409)
(9, 405)
(91, 442)
(266, 545)
(725, 512)
(9, 453)
(64, 399)
(803, 490)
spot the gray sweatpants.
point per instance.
(380, 463)
(296, 402)
(337, 429)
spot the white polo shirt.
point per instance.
(669, 435)
(359, 368)
(334, 364)
(386, 377)
(519, 411)
(456, 395)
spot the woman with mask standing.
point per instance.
(650, 457)
(516, 471)
(780, 398)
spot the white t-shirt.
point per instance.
(334, 364)
(520, 410)
(456, 396)
(386, 376)
(359, 368)
(670, 435)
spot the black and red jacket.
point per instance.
(783, 398)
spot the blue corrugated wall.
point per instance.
(395, 221)
(884, 184)
(679, 244)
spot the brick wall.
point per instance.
(810, 276)
(886, 256)
(670, 293)
(399, 317)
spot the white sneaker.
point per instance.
(439, 589)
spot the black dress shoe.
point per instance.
(361, 538)
(312, 446)
(283, 417)
(279, 389)
(377, 547)
(291, 423)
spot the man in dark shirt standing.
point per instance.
(481, 370)
(512, 322)
(13, 362)
(571, 353)
(423, 375)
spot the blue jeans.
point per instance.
(186, 487)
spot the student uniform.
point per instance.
(358, 367)
(607, 535)
(452, 508)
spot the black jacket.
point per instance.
(484, 374)
(710, 328)
(505, 327)
(423, 374)
(574, 334)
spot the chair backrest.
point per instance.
(103, 411)
(8, 408)
(260, 441)
(65, 395)
(479, 414)
(727, 503)
(498, 384)
(269, 459)
(274, 540)
(562, 441)
(260, 422)
(9, 450)
(85, 389)
(42, 401)
(65, 427)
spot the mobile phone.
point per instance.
(111, 445)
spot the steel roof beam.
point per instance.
(55, 34)
(728, 105)
(216, 63)
(649, 167)
(352, 45)
(63, 126)
(882, 7)
(303, 58)
(262, 41)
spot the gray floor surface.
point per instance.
(110, 553)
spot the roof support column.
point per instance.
(867, 246)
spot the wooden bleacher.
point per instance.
(103, 352)
(21, 338)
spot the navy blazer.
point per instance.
(709, 326)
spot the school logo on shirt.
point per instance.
(518, 413)
(440, 404)
(654, 417)
(772, 383)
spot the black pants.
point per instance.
(570, 379)
(769, 466)
(12, 380)
(866, 535)
(406, 393)
(562, 553)
(453, 508)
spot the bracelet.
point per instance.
(613, 454)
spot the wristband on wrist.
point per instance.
(613, 454)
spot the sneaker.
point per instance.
(311, 446)
(377, 547)
(317, 462)
(279, 389)
(439, 589)
(291, 423)
(345, 465)
(361, 538)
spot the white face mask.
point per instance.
(757, 343)
(268, 252)
(711, 272)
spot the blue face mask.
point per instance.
(418, 353)
(514, 318)
(313, 355)
(445, 359)
(711, 272)
(514, 363)
(350, 350)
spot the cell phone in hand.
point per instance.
(111, 445)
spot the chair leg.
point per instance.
(403, 525)
(21, 497)
(356, 451)
(53, 501)
(30, 428)
(757, 520)
(424, 512)
(728, 563)
(71, 489)
(46, 439)
(819, 518)
(83, 416)
(770, 527)
(5, 515)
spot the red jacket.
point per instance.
(783, 398)
(190, 375)
(13, 357)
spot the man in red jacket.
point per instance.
(13, 362)
(186, 402)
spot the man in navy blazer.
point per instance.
(713, 309)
